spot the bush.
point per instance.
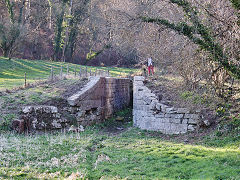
(6, 122)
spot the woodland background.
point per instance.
(195, 45)
(116, 32)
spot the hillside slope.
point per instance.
(12, 71)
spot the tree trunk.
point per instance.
(67, 33)
(6, 52)
(50, 14)
(58, 38)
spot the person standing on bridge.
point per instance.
(150, 66)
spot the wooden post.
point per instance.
(96, 72)
(108, 72)
(75, 73)
(51, 73)
(61, 72)
(67, 70)
(90, 71)
(25, 80)
(80, 72)
(86, 72)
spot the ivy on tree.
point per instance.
(199, 34)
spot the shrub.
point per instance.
(6, 122)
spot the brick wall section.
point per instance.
(151, 114)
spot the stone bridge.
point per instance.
(100, 98)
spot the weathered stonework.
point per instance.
(151, 114)
(100, 98)
(43, 118)
(96, 101)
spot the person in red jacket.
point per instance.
(150, 66)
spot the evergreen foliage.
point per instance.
(236, 4)
(59, 39)
(10, 10)
(77, 16)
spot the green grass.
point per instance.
(130, 155)
(11, 103)
(94, 153)
(12, 71)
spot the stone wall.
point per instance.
(96, 101)
(39, 118)
(151, 114)
(43, 117)
(100, 98)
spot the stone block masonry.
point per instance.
(100, 98)
(43, 118)
(96, 101)
(151, 114)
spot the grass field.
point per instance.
(12, 71)
(132, 154)
(111, 150)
